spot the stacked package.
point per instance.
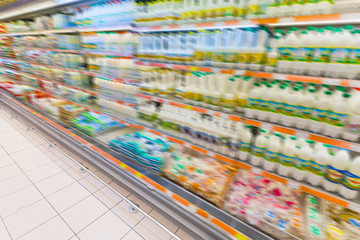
(265, 203)
(68, 112)
(148, 149)
(200, 174)
(92, 123)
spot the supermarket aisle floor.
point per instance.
(44, 196)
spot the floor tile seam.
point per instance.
(11, 176)
(15, 191)
(44, 197)
(124, 220)
(32, 169)
(104, 203)
(7, 230)
(23, 207)
(131, 229)
(167, 217)
(91, 222)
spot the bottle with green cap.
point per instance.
(287, 158)
(341, 109)
(272, 56)
(245, 143)
(305, 156)
(259, 146)
(322, 109)
(306, 109)
(321, 53)
(253, 105)
(286, 51)
(317, 166)
(273, 152)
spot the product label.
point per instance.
(264, 105)
(351, 181)
(271, 62)
(242, 58)
(337, 119)
(258, 151)
(355, 56)
(244, 147)
(289, 109)
(321, 115)
(340, 55)
(322, 54)
(277, 107)
(334, 175)
(256, 58)
(271, 156)
(286, 53)
(354, 222)
(317, 169)
(253, 103)
(305, 112)
(252, 9)
(302, 164)
(287, 161)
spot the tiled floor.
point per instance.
(43, 196)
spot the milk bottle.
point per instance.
(246, 138)
(340, 111)
(321, 112)
(303, 53)
(321, 53)
(272, 56)
(306, 109)
(335, 170)
(317, 166)
(351, 182)
(260, 145)
(305, 156)
(272, 153)
(287, 158)
(351, 132)
(251, 110)
(286, 51)
(278, 104)
(290, 107)
(264, 100)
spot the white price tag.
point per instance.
(187, 145)
(302, 135)
(355, 207)
(279, 76)
(355, 147)
(192, 208)
(257, 170)
(216, 70)
(211, 154)
(240, 72)
(166, 101)
(294, 185)
(219, 24)
(331, 81)
(355, 83)
(286, 20)
(266, 126)
(246, 22)
(211, 112)
(169, 193)
(224, 115)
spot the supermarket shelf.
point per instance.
(304, 187)
(84, 52)
(210, 214)
(92, 92)
(260, 74)
(100, 75)
(266, 125)
(337, 18)
(71, 30)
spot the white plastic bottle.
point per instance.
(272, 154)
(252, 106)
(258, 150)
(335, 170)
(321, 112)
(351, 182)
(287, 159)
(317, 166)
(305, 156)
(244, 148)
(306, 109)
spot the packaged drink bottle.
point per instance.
(321, 53)
(323, 106)
(306, 109)
(351, 182)
(305, 156)
(335, 171)
(287, 50)
(337, 119)
(272, 56)
(288, 157)
(317, 166)
(244, 147)
(272, 153)
(265, 103)
(252, 106)
(259, 147)
(277, 104)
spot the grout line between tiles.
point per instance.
(7, 230)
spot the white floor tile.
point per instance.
(83, 213)
(13, 184)
(4, 235)
(9, 171)
(17, 147)
(54, 229)
(18, 200)
(34, 162)
(91, 183)
(108, 197)
(122, 211)
(43, 172)
(132, 235)
(108, 227)
(54, 183)
(68, 196)
(26, 154)
(74, 238)
(5, 160)
(29, 218)
(151, 231)
(2, 152)
(73, 171)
